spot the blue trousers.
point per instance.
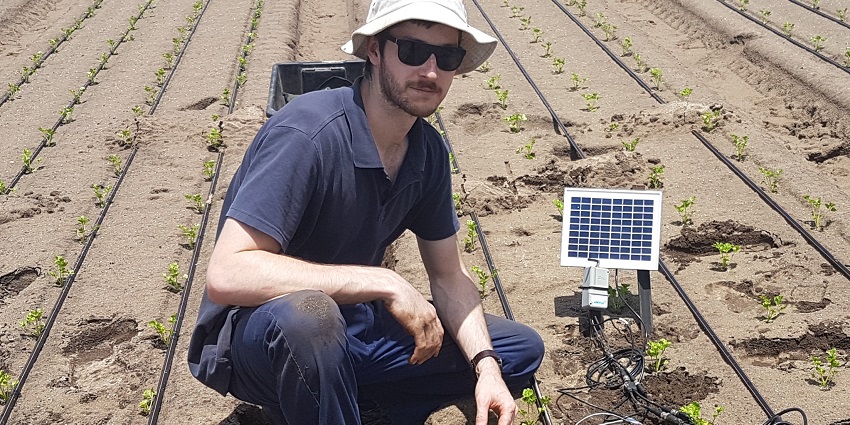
(307, 360)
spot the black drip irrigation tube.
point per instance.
(66, 289)
(54, 47)
(823, 57)
(497, 282)
(74, 101)
(255, 19)
(575, 150)
(179, 57)
(153, 416)
(821, 13)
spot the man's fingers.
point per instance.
(481, 413)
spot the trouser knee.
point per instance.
(307, 318)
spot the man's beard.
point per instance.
(394, 94)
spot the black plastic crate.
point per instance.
(290, 79)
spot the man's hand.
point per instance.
(491, 393)
(418, 317)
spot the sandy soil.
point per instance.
(99, 353)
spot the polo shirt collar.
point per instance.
(363, 145)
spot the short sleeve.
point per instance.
(278, 182)
(435, 215)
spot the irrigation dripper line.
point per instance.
(153, 416)
(575, 150)
(255, 19)
(825, 253)
(706, 328)
(787, 38)
(821, 13)
(55, 47)
(66, 289)
(101, 66)
(179, 57)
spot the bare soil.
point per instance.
(100, 354)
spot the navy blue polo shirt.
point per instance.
(312, 179)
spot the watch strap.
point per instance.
(483, 355)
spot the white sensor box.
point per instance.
(594, 287)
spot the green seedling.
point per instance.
(248, 48)
(558, 65)
(115, 160)
(92, 74)
(612, 127)
(772, 307)
(610, 31)
(458, 204)
(842, 14)
(655, 351)
(171, 278)
(819, 210)
(502, 96)
(53, 43)
(530, 414)
(626, 44)
(26, 158)
(656, 177)
(693, 411)
(600, 20)
(740, 146)
(686, 210)
(493, 82)
(13, 90)
(7, 385)
(525, 23)
(817, 42)
(190, 233)
(111, 44)
(101, 192)
(471, 236)
(3, 188)
(577, 81)
(214, 139)
(788, 28)
(242, 78)
(160, 76)
(132, 20)
(582, 7)
(515, 11)
(559, 204)
(37, 59)
(138, 111)
(48, 135)
(742, 4)
(452, 163)
(686, 92)
(847, 58)
(147, 401)
(631, 146)
(640, 62)
(225, 97)
(209, 169)
(83, 230)
(26, 73)
(104, 59)
(726, 250)
(771, 178)
(125, 137)
(537, 35)
(61, 273)
(824, 373)
(590, 101)
(547, 47)
(483, 277)
(33, 323)
(617, 297)
(65, 114)
(169, 60)
(484, 67)
(197, 202)
(515, 122)
(710, 119)
(77, 94)
(151, 93)
(816, 4)
(163, 332)
(656, 74)
(527, 150)
(765, 15)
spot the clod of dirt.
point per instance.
(700, 240)
(820, 337)
(98, 336)
(611, 170)
(201, 104)
(13, 283)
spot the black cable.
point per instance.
(778, 417)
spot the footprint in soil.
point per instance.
(13, 283)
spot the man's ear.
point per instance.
(373, 50)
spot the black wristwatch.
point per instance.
(481, 356)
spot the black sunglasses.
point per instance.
(415, 53)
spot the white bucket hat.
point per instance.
(386, 13)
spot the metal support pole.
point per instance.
(645, 294)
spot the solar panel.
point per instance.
(620, 229)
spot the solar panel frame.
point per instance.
(620, 229)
